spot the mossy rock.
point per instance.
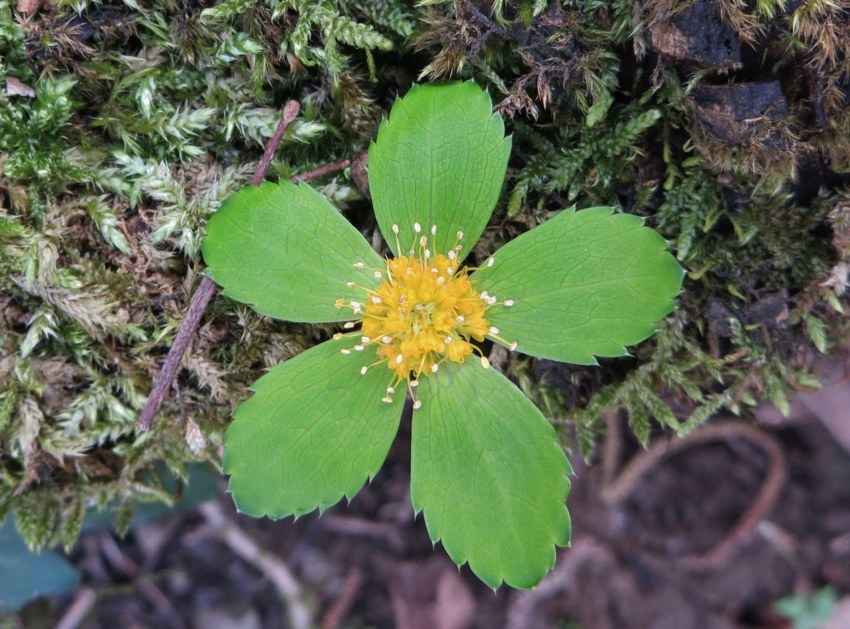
(123, 130)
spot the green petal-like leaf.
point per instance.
(314, 431)
(439, 159)
(288, 252)
(489, 475)
(584, 284)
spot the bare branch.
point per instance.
(204, 293)
(272, 567)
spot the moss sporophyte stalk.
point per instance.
(486, 469)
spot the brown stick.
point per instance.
(76, 613)
(204, 293)
(322, 170)
(117, 559)
(730, 431)
(290, 111)
(266, 562)
(337, 612)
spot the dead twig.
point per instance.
(84, 600)
(522, 610)
(273, 568)
(350, 587)
(729, 431)
(290, 111)
(612, 447)
(360, 527)
(199, 303)
(204, 293)
(120, 561)
(207, 288)
(310, 175)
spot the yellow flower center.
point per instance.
(425, 312)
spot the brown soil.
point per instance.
(658, 557)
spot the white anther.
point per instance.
(441, 280)
(365, 339)
(485, 363)
(484, 294)
(390, 389)
(363, 370)
(358, 348)
(387, 340)
(491, 261)
(395, 228)
(435, 368)
(491, 300)
(356, 305)
(349, 324)
(337, 336)
(452, 255)
(427, 253)
(433, 230)
(461, 318)
(378, 275)
(399, 359)
(460, 235)
(450, 270)
(494, 329)
(513, 346)
(448, 340)
(359, 265)
(417, 405)
(345, 351)
(508, 303)
(423, 241)
(435, 271)
(419, 307)
(376, 299)
(417, 227)
(387, 400)
(350, 284)
(414, 384)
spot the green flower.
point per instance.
(487, 470)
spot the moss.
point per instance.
(123, 128)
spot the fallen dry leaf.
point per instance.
(14, 87)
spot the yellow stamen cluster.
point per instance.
(424, 312)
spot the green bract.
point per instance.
(486, 468)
